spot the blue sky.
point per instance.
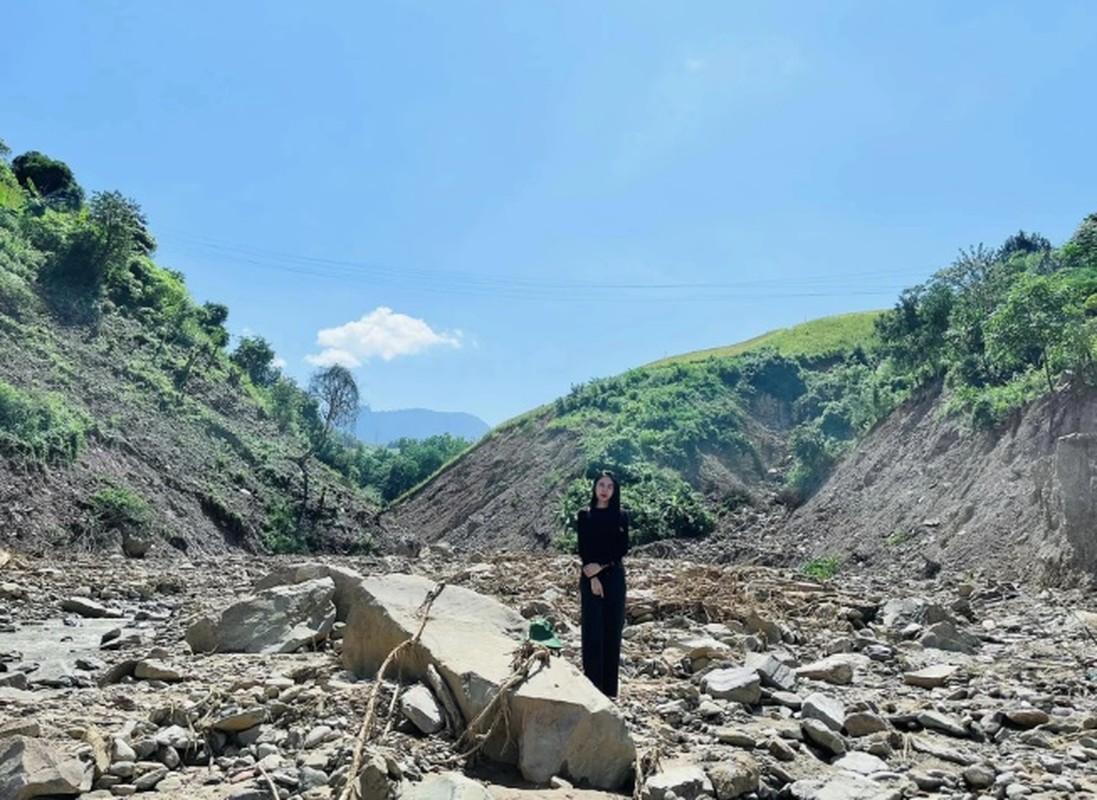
(478, 204)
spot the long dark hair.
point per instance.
(615, 498)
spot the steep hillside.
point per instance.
(205, 472)
(926, 490)
(125, 422)
(498, 495)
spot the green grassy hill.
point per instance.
(697, 439)
(817, 338)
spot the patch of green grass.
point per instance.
(822, 569)
(11, 195)
(898, 536)
(816, 338)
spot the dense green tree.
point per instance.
(213, 318)
(123, 227)
(915, 332)
(776, 375)
(1022, 243)
(412, 461)
(1028, 326)
(205, 336)
(255, 356)
(51, 179)
(1081, 251)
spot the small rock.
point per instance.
(736, 777)
(1027, 717)
(979, 776)
(738, 684)
(861, 763)
(864, 723)
(930, 677)
(835, 669)
(827, 710)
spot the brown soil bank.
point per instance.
(500, 495)
(1019, 502)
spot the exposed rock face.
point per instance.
(1071, 502)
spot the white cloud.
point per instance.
(381, 333)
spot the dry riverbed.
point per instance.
(737, 682)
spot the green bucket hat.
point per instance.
(541, 632)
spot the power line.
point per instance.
(513, 287)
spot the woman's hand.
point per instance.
(592, 569)
(596, 587)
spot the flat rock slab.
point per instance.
(280, 619)
(844, 786)
(930, 677)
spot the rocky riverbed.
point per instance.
(737, 682)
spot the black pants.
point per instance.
(603, 622)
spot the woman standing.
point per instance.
(603, 542)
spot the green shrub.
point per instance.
(899, 537)
(37, 427)
(16, 298)
(280, 534)
(822, 569)
(17, 255)
(987, 407)
(49, 178)
(815, 455)
(118, 508)
(11, 194)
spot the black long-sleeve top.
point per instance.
(603, 535)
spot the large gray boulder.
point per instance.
(279, 619)
(28, 769)
(559, 723)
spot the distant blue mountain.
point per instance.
(383, 427)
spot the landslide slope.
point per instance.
(206, 470)
(926, 490)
